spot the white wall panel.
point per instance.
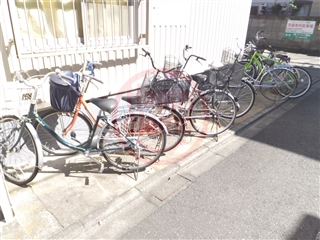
(207, 26)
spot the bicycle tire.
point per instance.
(142, 129)
(20, 166)
(213, 112)
(58, 121)
(175, 124)
(245, 95)
(304, 82)
(252, 71)
(278, 84)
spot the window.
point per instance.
(110, 21)
(59, 25)
(303, 8)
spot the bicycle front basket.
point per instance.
(220, 77)
(237, 74)
(170, 91)
(171, 62)
(64, 94)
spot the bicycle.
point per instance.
(76, 123)
(129, 141)
(171, 118)
(69, 122)
(210, 112)
(276, 82)
(242, 91)
(303, 78)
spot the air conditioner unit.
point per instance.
(262, 8)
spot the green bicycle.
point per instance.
(304, 80)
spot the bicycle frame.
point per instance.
(82, 102)
(84, 147)
(256, 59)
(193, 97)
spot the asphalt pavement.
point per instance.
(267, 188)
(69, 200)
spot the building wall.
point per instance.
(274, 28)
(315, 10)
(165, 27)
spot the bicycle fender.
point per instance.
(38, 144)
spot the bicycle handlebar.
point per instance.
(96, 79)
(152, 62)
(25, 81)
(187, 59)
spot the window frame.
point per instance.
(80, 41)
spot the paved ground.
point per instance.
(267, 187)
(62, 205)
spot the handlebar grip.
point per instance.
(201, 58)
(145, 51)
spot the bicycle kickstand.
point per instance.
(101, 165)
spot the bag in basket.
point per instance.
(64, 94)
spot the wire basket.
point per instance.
(228, 56)
(16, 99)
(237, 74)
(171, 62)
(168, 91)
(230, 73)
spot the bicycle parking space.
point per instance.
(68, 195)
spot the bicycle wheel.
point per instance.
(147, 141)
(245, 95)
(174, 123)
(212, 112)
(251, 71)
(20, 165)
(58, 121)
(304, 82)
(278, 84)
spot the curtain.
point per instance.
(48, 18)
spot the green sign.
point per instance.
(298, 35)
(300, 29)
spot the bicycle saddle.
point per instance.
(199, 78)
(107, 105)
(268, 62)
(272, 48)
(283, 57)
(132, 99)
